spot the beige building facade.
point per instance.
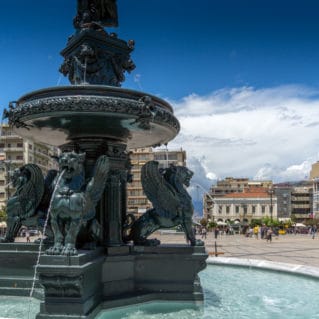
(213, 208)
(314, 179)
(251, 203)
(15, 152)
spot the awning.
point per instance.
(221, 223)
(300, 225)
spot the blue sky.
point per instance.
(182, 46)
(242, 75)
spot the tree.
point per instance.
(203, 222)
(3, 214)
(211, 225)
(255, 222)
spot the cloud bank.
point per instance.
(246, 132)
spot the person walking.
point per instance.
(256, 231)
(216, 232)
(269, 234)
(313, 231)
(204, 233)
(27, 235)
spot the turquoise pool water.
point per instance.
(238, 293)
(18, 307)
(230, 293)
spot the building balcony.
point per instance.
(42, 154)
(13, 149)
(11, 137)
(17, 162)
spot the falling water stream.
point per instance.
(41, 243)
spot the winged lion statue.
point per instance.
(172, 205)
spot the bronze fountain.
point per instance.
(99, 257)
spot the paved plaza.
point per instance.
(293, 249)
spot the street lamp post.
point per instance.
(270, 192)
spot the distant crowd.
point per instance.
(258, 232)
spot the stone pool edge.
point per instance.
(302, 270)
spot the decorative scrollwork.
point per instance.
(138, 108)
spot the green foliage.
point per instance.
(211, 225)
(203, 222)
(255, 222)
(270, 222)
(3, 214)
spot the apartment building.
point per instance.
(283, 195)
(227, 186)
(16, 151)
(251, 203)
(137, 202)
(314, 179)
(302, 201)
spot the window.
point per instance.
(253, 209)
(19, 144)
(160, 157)
(30, 147)
(227, 209)
(263, 209)
(19, 157)
(237, 209)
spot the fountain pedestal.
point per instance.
(81, 286)
(72, 285)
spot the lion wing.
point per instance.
(32, 191)
(162, 195)
(97, 183)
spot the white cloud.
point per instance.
(247, 132)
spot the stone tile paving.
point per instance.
(294, 249)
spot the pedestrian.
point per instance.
(204, 233)
(27, 235)
(269, 234)
(256, 231)
(313, 231)
(216, 232)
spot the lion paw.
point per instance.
(69, 250)
(55, 250)
(148, 242)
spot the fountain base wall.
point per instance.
(81, 286)
(17, 261)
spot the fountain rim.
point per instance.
(266, 265)
(92, 90)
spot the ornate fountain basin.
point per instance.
(60, 115)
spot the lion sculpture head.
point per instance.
(71, 164)
(178, 175)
